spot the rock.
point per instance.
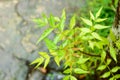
(37, 75)
(10, 68)
(54, 76)
(18, 36)
(29, 47)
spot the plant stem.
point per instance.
(89, 54)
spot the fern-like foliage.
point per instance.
(83, 50)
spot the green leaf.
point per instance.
(98, 13)
(67, 71)
(80, 71)
(46, 62)
(44, 54)
(36, 61)
(99, 45)
(84, 66)
(100, 19)
(53, 52)
(92, 16)
(118, 43)
(113, 53)
(101, 67)
(69, 77)
(50, 44)
(112, 78)
(91, 44)
(108, 61)
(98, 26)
(112, 36)
(84, 31)
(116, 2)
(66, 77)
(41, 22)
(45, 34)
(105, 75)
(57, 38)
(117, 76)
(66, 42)
(57, 60)
(97, 36)
(86, 21)
(87, 37)
(82, 60)
(115, 69)
(67, 63)
(61, 53)
(72, 78)
(39, 61)
(63, 14)
(57, 19)
(52, 21)
(62, 25)
(105, 41)
(72, 22)
(62, 21)
(103, 56)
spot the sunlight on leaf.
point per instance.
(98, 13)
(87, 21)
(112, 35)
(92, 16)
(39, 61)
(36, 61)
(82, 60)
(105, 75)
(72, 22)
(67, 71)
(103, 56)
(45, 34)
(80, 71)
(101, 67)
(118, 44)
(113, 53)
(72, 78)
(50, 44)
(108, 61)
(57, 60)
(98, 26)
(44, 54)
(115, 69)
(46, 62)
(97, 36)
(100, 19)
(66, 78)
(62, 22)
(52, 21)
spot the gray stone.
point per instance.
(36, 76)
(18, 34)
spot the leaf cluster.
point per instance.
(82, 49)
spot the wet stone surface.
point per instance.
(18, 35)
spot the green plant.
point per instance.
(82, 49)
(108, 11)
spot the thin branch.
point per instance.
(89, 54)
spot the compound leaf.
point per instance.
(45, 34)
